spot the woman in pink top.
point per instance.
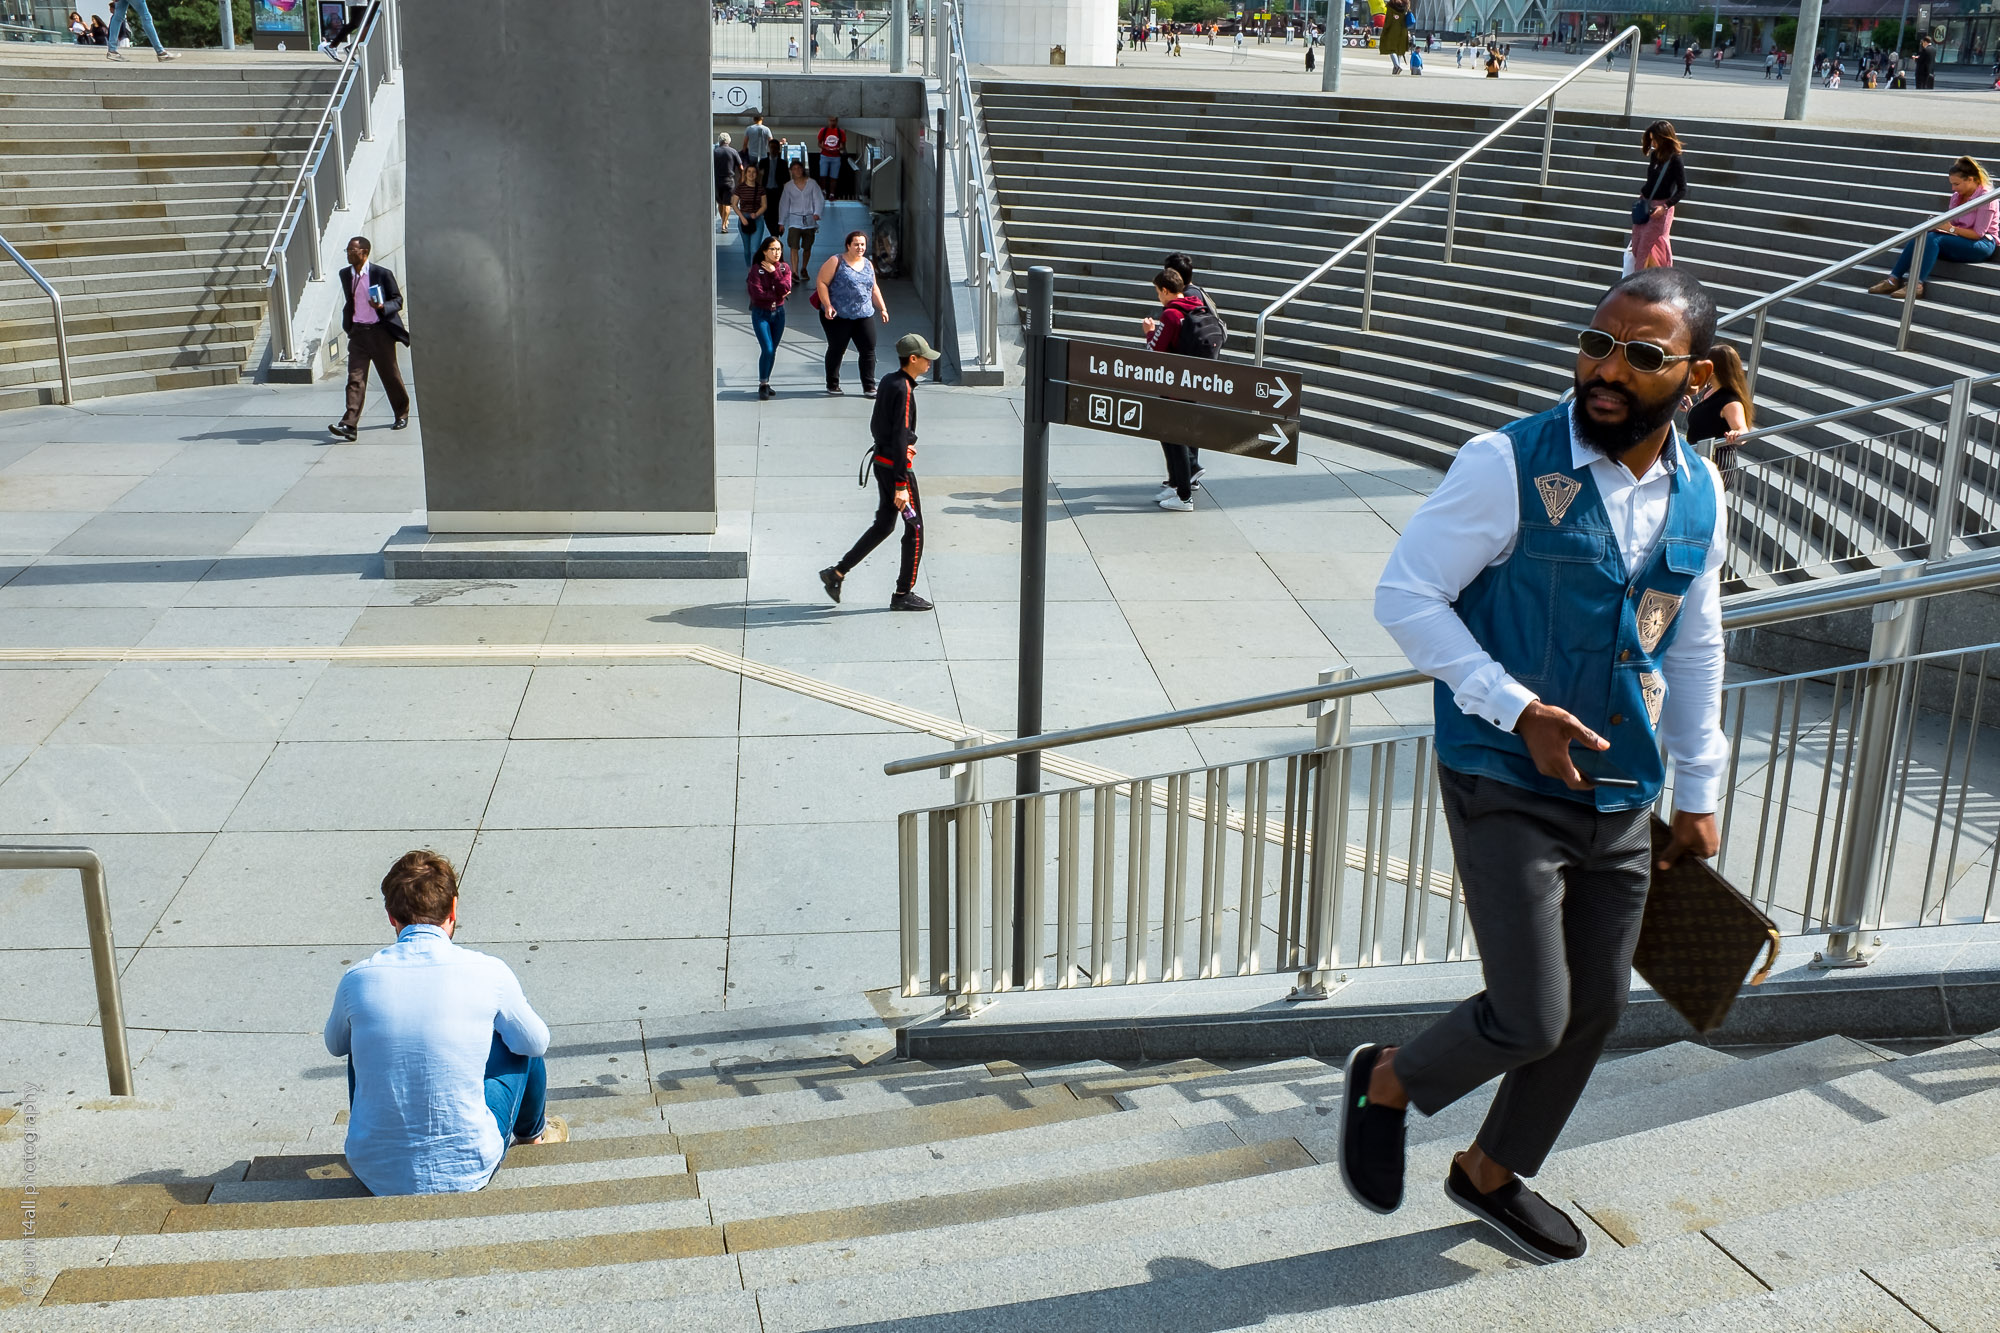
(1969, 238)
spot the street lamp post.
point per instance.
(1805, 45)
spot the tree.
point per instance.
(199, 22)
(1886, 35)
(1784, 33)
(1193, 11)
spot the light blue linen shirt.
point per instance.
(418, 1020)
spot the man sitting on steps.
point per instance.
(444, 1055)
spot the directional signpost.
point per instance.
(1142, 394)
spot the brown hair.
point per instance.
(1170, 282)
(1729, 378)
(420, 889)
(1660, 136)
(1972, 171)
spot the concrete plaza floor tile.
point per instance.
(36, 532)
(1250, 630)
(79, 627)
(827, 780)
(1314, 533)
(1321, 576)
(43, 909)
(1217, 577)
(451, 624)
(972, 577)
(318, 493)
(776, 969)
(770, 711)
(32, 491)
(1285, 489)
(287, 580)
(626, 883)
(860, 629)
(718, 624)
(599, 981)
(128, 788)
(69, 458)
(814, 878)
(1071, 630)
(609, 1057)
(276, 455)
(287, 1072)
(65, 1058)
(12, 757)
(1352, 627)
(250, 492)
(248, 627)
(331, 886)
(615, 784)
(319, 534)
(467, 592)
(375, 702)
(35, 700)
(370, 460)
(241, 988)
(356, 785)
(187, 705)
(630, 700)
(652, 592)
(1075, 690)
(72, 582)
(1236, 745)
(1134, 756)
(1205, 531)
(54, 986)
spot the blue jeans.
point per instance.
(145, 22)
(770, 328)
(750, 239)
(516, 1090)
(1938, 246)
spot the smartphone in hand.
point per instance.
(1597, 767)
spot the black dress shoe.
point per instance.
(1371, 1138)
(339, 431)
(829, 578)
(908, 601)
(835, 390)
(1541, 1232)
(400, 423)
(868, 391)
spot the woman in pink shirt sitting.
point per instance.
(1969, 238)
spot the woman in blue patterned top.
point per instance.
(847, 296)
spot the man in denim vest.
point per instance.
(1561, 586)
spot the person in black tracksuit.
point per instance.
(894, 427)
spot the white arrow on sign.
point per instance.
(1280, 395)
(1277, 435)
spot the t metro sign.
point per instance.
(1252, 410)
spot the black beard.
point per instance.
(1614, 439)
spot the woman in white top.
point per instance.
(799, 208)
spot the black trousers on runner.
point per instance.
(1554, 890)
(886, 516)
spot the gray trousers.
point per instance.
(1554, 891)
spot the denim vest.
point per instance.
(1563, 616)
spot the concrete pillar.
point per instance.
(560, 279)
(899, 36)
(1803, 47)
(1020, 32)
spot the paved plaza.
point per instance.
(641, 836)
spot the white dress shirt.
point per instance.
(1471, 522)
(418, 1020)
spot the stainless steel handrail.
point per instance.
(1452, 173)
(984, 248)
(1740, 612)
(103, 952)
(1863, 409)
(55, 302)
(1762, 305)
(321, 137)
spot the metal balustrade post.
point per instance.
(281, 314)
(1632, 76)
(1756, 353)
(961, 1001)
(1328, 821)
(103, 949)
(1951, 469)
(365, 86)
(1451, 217)
(311, 222)
(1864, 830)
(1368, 288)
(1548, 138)
(339, 167)
(1918, 244)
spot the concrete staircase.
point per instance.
(1831, 1186)
(145, 194)
(1099, 183)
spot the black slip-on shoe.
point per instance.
(400, 423)
(1536, 1229)
(1371, 1138)
(908, 601)
(341, 432)
(835, 391)
(829, 578)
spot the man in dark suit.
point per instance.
(373, 322)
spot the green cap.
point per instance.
(913, 344)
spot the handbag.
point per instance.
(1699, 937)
(1642, 212)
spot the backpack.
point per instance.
(1201, 333)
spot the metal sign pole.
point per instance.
(1336, 42)
(940, 266)
(1805, 46)
(1034, 588)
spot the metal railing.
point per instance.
(1335, 857)
(979, 230)
(1803, 510)
(1920, 233)
(103, 953)
(55, 314)
(1452, 174)
(292, 257)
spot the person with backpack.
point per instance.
(1207, 342)
(1180, 328)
